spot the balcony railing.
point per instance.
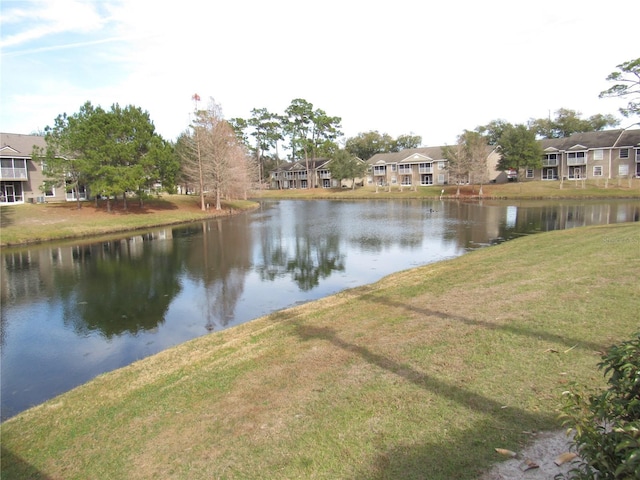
(404, 170)
(9, 173)
(576, 161)
(550, 162)
(426, 170)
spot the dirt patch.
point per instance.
(542, 453)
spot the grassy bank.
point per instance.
(420, 375)
(29, 223)
(32, 223)
(523, 190)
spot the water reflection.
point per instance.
(306, 249)
(74, 310)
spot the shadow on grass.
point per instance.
(7, 216)
(438, 459)
(569, 342)
(12, 466)
(133, 207)
(459, 454)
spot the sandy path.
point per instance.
(543, 452)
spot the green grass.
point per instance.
(32, 223)
(420, 375)
(627, 188)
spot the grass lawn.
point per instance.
(32, 223)
(629, 188)
(418, 376)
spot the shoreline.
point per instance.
(429, 363)
(36, 224)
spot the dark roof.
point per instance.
(434, 153)
(302, 164)
(16, 145)
(619, 138)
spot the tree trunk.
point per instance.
(78, 196)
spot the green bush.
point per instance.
(606, 423)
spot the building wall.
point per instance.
(607, 159)
(17, 146)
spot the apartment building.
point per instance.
(21, 178)
(608, 154)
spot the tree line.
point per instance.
(117, 151)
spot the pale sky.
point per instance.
(428, 68)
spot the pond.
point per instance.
(73, 310)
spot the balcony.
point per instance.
(11, 173)
(404, 170)
(426, 170)
(576, 161)
(550, 162)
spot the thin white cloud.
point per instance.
(65, 46)
(402, 67)
(46, 18)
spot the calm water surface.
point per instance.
(71, 311)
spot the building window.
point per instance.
(48, 191)
(529, 173)
(441, 178)
(393, 167)
(441, 166)
(598, 154)
(623, 170)
(624, 153)
(597, 170)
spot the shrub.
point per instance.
(606, 423)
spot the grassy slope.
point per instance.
(419, 375)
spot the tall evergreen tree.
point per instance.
(519, 148)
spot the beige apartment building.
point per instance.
(608, 154)
(21, 178)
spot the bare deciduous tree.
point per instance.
(213, 157)
(458, 162)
